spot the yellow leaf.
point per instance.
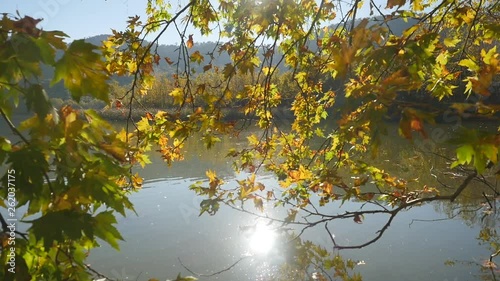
(470, 64)
(143, 125)
(211, 175)
(178, 96)
(196, 57)
(259, 205)
(417, 5)
(117, 152)
(122, 135)
(451, 42)
(253, 140)
(327, 187)
(301, 174)
(132, 66)
(142, 159)
(137, 181)
(490, 57)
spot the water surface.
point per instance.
(168, 228)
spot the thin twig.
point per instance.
(215, 273)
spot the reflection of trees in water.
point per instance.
(472, 208)
(478, 207)
(197, 159)
(462, 194)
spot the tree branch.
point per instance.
(215, 273)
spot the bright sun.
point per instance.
(262, 240)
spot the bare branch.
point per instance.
(215, 273)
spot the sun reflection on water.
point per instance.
(262, 239)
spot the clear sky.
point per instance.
(77, 18)
(85, 18)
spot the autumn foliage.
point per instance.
(74, 169)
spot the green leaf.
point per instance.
(464, 155)
(55, 38)
(210, 140)
(37, 101)
(490, 151)
(104, 229)
(58, 226)
(211, 206)
(451, 42)
(470, 64)
(83, 72)
(25, 48)
(47, 51)
(96, 121)
(5, 147)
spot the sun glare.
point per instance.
(262, 240)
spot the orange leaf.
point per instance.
(190, 42)
(28, 25)
(270, 195)
(156, 59)
(137, 181)
(416, 124)
(168, 60)
(393, 3)
(118, 104)
(207, 67)
(480, 86)
(327, 187)
(294, 174)
(147, 67)
(66, 110)
(149, 116)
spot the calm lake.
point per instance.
(168, 230)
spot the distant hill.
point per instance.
(397, 26)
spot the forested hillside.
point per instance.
(212, 54)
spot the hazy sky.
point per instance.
(85, 18)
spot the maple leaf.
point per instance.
(393, 3)
(190, 42)
(168, 60)
(28, 25)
